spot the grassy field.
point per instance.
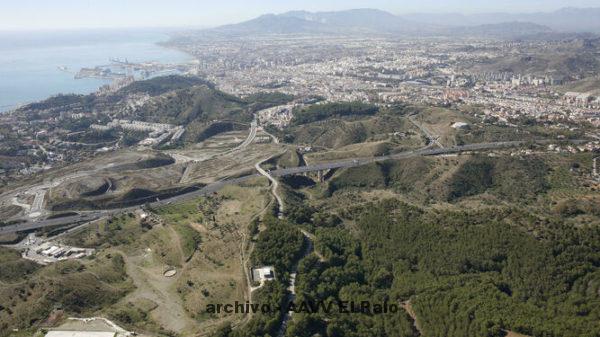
(204, 241)
(337, 133)
(29, 294)
(366, 150)
(439, 121)
(289, 159)
(8, 211)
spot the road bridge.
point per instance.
(31, 224)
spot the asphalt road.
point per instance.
(274, 187)
(433, 138)
(251, 135)
(30, 224)
(422, 152)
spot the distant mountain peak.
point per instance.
(568, 19)
(375, 21)
(348, 21)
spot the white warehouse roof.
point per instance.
(80, 334)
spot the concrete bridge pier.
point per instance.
(321, 176)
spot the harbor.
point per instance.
(32, 74)
(122, 69)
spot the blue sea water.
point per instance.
(30, 61)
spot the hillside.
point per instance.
(319, 112)
(274, 24)
(179, 100)
(576, 62)
(196, 104)
(588, 85)
(301, 22)
(372, 20)
(506, 253)
(160, 85)
(153, 87)
(30, 293)
(206, 111)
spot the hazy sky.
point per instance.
(61, 14)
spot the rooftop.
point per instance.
(80, 334)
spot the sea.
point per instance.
(37, 65)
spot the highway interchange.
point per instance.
(32, 224)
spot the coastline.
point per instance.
(6, 109)
(34, 79)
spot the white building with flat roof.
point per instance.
(263, 274)
(58, 333)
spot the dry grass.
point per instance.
(213, 274)
(439, 121)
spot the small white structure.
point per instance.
(148, 142)
(263, 274)
(89, 327)
(80, 334)
(460, 125)
(170, 273)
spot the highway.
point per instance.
(185, 177)
(251, 135)
(38, 203)
(36, 209)
(409, 154)
(88, 216)
(432, 138)
(31, 224)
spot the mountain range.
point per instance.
(373, 21)
(569, 20)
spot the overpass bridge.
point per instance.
(82, 217)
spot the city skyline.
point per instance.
(71, 14)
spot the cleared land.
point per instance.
(203, 240)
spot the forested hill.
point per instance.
(471, 247)
(200, 103)
(201, 108)
(185, 100)
(188, 101)
(160, 85)
(153, 87)
(319, 112)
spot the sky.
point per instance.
(67, 14)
